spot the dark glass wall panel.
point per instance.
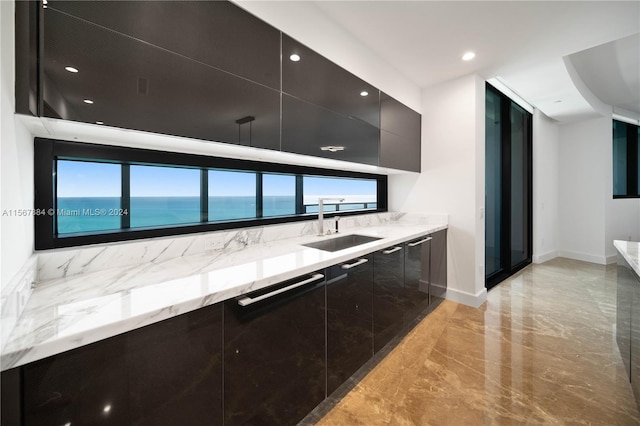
(137, 86)
(307, 128)
(508, 183)
(619, 158)
(519, 186)
(493, 184)
(216, 33)
(316, 79)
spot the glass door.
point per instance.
(508, 177)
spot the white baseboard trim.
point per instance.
(612, 258)
(541, 258)
(585, 257)
(473, 300)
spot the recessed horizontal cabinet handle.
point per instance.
(354, 264)
(417, 243)
(393, 250)
(245, 301)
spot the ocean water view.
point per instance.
(85, 214)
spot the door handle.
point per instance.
(417, 243)
(354, 264)
(245, 301)
(393, 250)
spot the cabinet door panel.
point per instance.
(438, 266)
(316, 79)
(388, 295)
(400, 135)
(349, 321)
(395, 117)
(85, 386)
(274, 372)
(306, 128)
(216, 33)
(416, 279)
(167, 373)
(175, 370)
(134, 85)
(398, 152)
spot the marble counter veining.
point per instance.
(70, 312)
(630, 250)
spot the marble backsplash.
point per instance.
(61, 263)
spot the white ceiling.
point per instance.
(523, 42)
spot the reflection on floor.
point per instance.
(540, 351)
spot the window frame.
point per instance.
(633, 168)
(48, 151)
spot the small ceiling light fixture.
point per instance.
(468, 56)
(558, 101)
(71, 69)
(44, 4)
(332, 148)
(99, 122)
(106, 408)
(295, 57)
(88, 101)
(364, 93)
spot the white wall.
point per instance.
(452, 180)
(590, 218)
(546, 175)
(585, 176)
(309, 25)
(16, 161)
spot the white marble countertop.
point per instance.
(67, 313)
(630, 250)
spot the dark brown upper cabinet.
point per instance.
(216, 33)
(124, 82)
(400, 129)
(312, 130)
(315, 79)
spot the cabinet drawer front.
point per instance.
(274, 372)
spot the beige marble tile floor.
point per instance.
(540, 351)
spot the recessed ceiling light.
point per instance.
(558, 101)
(106, 408)
(71, 69)
(332, 148)
(88, 101)
(294, 57)
(99, 122)
(468, 56)
(364, 93)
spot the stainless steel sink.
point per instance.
(341, 243)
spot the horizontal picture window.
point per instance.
(95, 193)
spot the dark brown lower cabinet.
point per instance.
(167, 373)
(274, 357)
(416, 277)
(388, 295)
(438, 266)
(349, 319)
